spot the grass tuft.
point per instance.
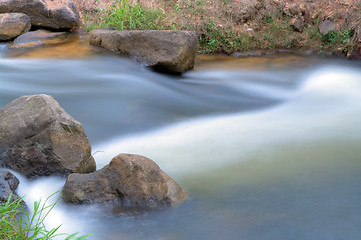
(17, 224)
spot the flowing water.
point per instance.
(267, 148)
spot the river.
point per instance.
(268, 148)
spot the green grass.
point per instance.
(124, 16)
(17, 224)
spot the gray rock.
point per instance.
(8, 185)
(164, 51)
(296, 24)
(38, 138)
(40, 38)
(56, 14)
(13, 25)
(326, 27)
(273, 11)
(129, 183)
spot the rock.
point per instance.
(55, 14)
(129, 182)
(164, 51)
(8, 185)
(296, 24)
(13, 25)
(40, 38)
(245, 14)
(273, 11)
(326, 27)
(295, 10)
(38, 138)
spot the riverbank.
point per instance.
(241, 28)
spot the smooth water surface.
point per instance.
(267, 148)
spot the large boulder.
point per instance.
(55, 14)
(8, 185)
(164, 51)
(13, 25)
(40, 38)
(38, 138)
(129, 182)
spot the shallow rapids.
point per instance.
(266, 152)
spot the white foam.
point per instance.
(327, 107)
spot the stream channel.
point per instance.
(268, 148)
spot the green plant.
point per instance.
(334, 37)
(17, 224)
(125, 16)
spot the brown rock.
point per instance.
(164, 51)
(56, 14)
(295, 10)
(13, 25)
(38, 138)
(129, 182)
(40, 38)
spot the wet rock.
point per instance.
(326, 27)
(55, 14)
(129, 183)
(13, 25)
(296, 24)
(164, 51)
(8, 186)
(40, 38)
(38, 138)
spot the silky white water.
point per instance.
(264, 154)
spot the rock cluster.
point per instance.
(38, 138)
(54, 14)
(18, 16)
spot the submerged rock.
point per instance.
(38, 138)
(129, 182)
(55, 14)
(164, 51)
(13, 25)
(8, 185)
(40, 38)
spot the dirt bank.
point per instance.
(248, 26)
